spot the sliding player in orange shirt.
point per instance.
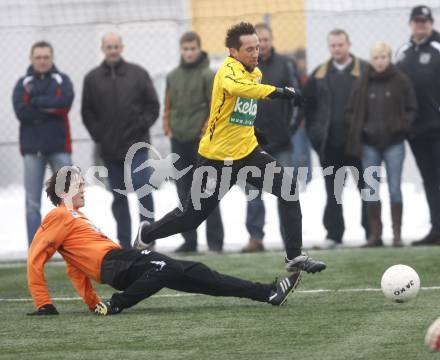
(90, 255)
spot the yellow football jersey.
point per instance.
(230, 131)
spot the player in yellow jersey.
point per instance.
(229, 152)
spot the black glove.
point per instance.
(288, 93)
(47, 309)
(261, 136)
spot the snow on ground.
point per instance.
(13, 243)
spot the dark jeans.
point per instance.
(120, 208)
(142, 274)
(214, 226)
(333, 215)
(195, 211)
(427, 155)
(256, 212)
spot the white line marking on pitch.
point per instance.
(314, 291)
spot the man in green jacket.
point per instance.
(187, 103)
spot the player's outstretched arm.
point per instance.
(288, 93)
(239, 86)
(45, 243)
(83, 286)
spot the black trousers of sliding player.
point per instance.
(215, 178)
(141, 274)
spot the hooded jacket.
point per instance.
(187, 98)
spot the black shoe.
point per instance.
(105, 308)
(283, 289)
(304, 262)
(186, 248)
(430, 239)
(138, 243)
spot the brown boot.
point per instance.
(253, 246)
(374, 210)
(396, 217)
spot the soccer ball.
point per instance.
(400, 283)
(432, 338)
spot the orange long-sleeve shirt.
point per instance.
(81, 245)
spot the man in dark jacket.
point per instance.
(187, 102)
(420, 60)
(327, 93)
(274, 125)
(119, 105)
(42, 100)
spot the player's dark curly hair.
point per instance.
(60, 182)
(234, 33)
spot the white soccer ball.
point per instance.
(400, 283)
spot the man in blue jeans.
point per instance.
(119, 105)
(42, 99)
(274, 125)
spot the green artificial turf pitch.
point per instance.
(338, 323)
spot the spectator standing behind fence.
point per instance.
(42, 100)
(302, 157)
(420, 60)
(274, 126)
(187, 102)
(327, 93)
(119, 105)
(381, 110)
